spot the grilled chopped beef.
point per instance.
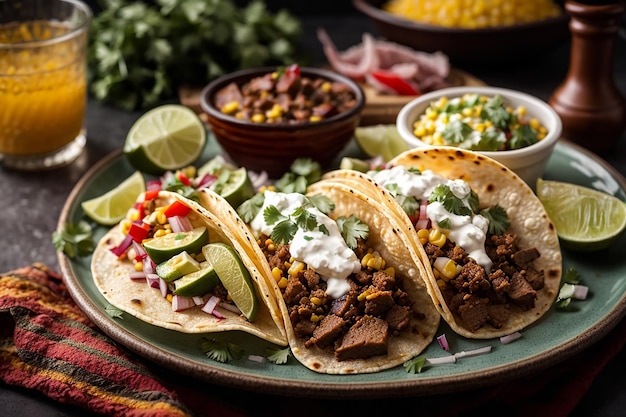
(367, 337)
(356, 325)
(481, 299)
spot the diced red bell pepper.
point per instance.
(183, 178)
(395, 83)
(177, 209)
(138, 231)
(150, 195)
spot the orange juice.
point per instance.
(42, 87)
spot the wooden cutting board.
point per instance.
(379, 108)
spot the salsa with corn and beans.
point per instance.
(285, 96)
(479, 123)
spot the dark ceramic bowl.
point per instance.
(274, 147)
(475, 47)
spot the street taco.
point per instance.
(505, 273)
(147, 281)
(315, 274)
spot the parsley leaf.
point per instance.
(498, 219)
(74, 239)
(352, 228)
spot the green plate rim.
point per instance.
(538, 348)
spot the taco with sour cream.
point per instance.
(492, 254)
(346, 280)
(156, 265)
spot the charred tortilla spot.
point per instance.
(136, 301)
(490, 187)
(552, 273)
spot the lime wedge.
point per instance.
(177, 266)
(235, 186)
(234, 276)
(383, 140)
(354, 164)
(160, 249)
(165, 138)
(197, 283)
(111, 207)
(585, 219)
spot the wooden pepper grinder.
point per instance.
(590, 105)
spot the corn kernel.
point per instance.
(391, 271)
(125, 226)
(326, 86)
(366, 259)
(230, 108)
(277, 273)
(436, 237)
(466, 297)
(316, 300)
(363, 295)
(423, 235)
(441, 283)
(315, 318)
(258, 118)
(169, 297)
(283, 282)
(138, 266)
(296, 268)
(315, 119)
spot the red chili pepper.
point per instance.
(177, 209)
(293, 69)
(397, 84)
(140, 209)
(138, 231)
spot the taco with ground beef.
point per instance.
(156, 265)
(492, 254)
(353, 297)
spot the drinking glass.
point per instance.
(43, 82)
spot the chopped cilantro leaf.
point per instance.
(74, 239)
(284, 231)
(456, 132)
(322, 203)
(495, 111)
(445, 224)
(522, 136)
(272, 215)
(250, 208)
(452, 203)
(114, 312)
(277, 355)
(415, 365)
(490, 140)
(304, 219)
(352, 228)
(498, 219)
(221, 351)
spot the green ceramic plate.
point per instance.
(557, 336)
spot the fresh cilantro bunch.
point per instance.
(140, 52)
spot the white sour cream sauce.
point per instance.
(328, 254)
(469, 232)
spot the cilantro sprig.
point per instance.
(352, 229)
(286, 226)
(140, 52)
(443, 194)
(221, 351)
(74, 239)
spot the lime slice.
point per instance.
(197, 283)
(354, 164)
(234, 185)
(234, 276)
(177, 266)
(111, 207)
(160, 249)
(585, 219)
(165, 138)
(383, 140)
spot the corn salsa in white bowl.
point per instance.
(514, 128)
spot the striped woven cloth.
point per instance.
(48, 344)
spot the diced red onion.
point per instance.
(580, 292)
(180, 303)
(211, 307)
(443, 342)
(153, 185)
(230, 307)
(163, 287)
(153, 280)
(206, 181)
(510, 338)
(256, 358)
(198, 300)
(180, 224)
(149, 266)
(137, 275)
(140, 251)
(259, 179)
(121, 249)
(423, 222)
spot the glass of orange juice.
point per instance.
(42, 82)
